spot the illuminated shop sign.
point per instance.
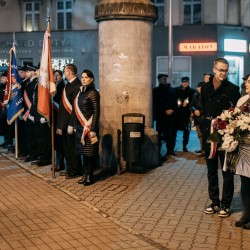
(235, 45)
(197, 47)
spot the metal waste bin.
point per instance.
(132, 137)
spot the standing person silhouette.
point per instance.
(217, 95)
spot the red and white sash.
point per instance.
(86, 124)
(213, 144)
(28, 104)
(66, 102)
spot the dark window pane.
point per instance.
(36, 6)
(68, 5)
(60, 21)
(160, 21)
(60, 5)
(28, 7)
(197, 13)
(36, 24)
(68, 21)
(29, 22)
(187, 14)
(160, 1)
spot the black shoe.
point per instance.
(81, 181)
(171, 152)
(246, 226)
(43, 163)
(185, 149)
(240, 223)
(8, 145)
(88, 180)
(58, 168)
(4, 144)
(35, 162)
(64, 173)
(197, 151)
(72, 175)
(30, 158)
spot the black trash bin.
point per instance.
(132, 137)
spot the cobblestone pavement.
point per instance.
(163, 207)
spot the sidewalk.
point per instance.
(160, 209)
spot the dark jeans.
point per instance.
(213, 183)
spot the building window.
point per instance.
(32, 16)
(160, 6)
(64, 15)
(192, 11)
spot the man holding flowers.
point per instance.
(217, 95)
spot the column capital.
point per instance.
(118, 10)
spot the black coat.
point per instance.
(30, 86)
(196, 105)
(214, 102)
(183, 113)
(89, 104)
(64, 118)
(164, 98)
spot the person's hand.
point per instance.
(42, 120)
(197, 112)
(70, 130)
(92, 134)
(179, 102)
(31, 118)
(58, 131)
(169, 111)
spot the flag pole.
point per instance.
(16, 125)
(52, 120)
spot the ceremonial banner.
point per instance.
(15, 102)
(46, 84)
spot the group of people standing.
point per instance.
(173, 108)
(76, 110)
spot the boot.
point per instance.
(88, 180)
(82, 180)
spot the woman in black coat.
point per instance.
(87, 110)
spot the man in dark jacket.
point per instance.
(184, 95)
(164, 107)
(65, 116)
(217, 95)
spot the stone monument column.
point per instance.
(125, 44)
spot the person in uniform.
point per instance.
(28, 117)
(217, 95)
(65, 116)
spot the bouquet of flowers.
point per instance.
(229, 127)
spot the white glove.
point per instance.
(31, 118)
(42, 120)
(92, 134)
(70, 130)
